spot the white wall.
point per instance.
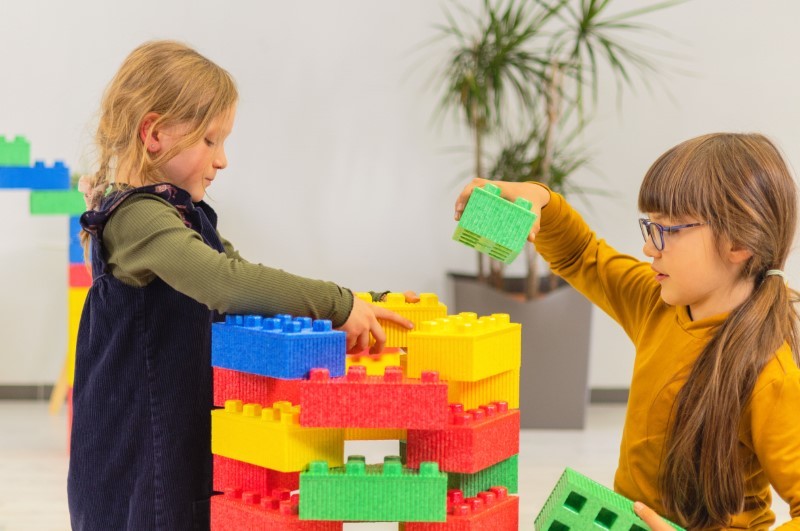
(336, 170)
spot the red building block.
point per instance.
(79, 276)
(253, 388)
(230, 473)
(236, 511)
(361, 401)
(493, 510)
(471, 441)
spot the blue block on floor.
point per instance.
(278, 347)
(36, 177)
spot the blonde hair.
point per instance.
(163, 77)
(741, 185)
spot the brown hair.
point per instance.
(163, 77)
(741, 185)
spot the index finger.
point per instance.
(463, 197)
(388, 315)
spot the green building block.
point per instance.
(16, 152)
(359, 492)
(503, 474)
(578, 503)
(47, 202)
(493, 225)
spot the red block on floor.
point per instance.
(493, 510)
(471, 441)
(252, 388)
(237, 511)
(360, 401)
(230, 473)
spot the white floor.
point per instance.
(33, 464)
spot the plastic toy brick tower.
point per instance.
(447, 391)
(493, 225)
(578, 503)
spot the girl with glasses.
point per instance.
(714, 409)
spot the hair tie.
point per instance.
(777, 273)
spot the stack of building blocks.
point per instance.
(445, 445)
(51, 194)
(578, 503)
(493, 225)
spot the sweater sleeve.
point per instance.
(146, 238)
(776, 438)
(620, 285)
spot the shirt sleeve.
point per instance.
(619, 284)
(776, 439)
(146, 238)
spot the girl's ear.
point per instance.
(148, 132)
(739, 255)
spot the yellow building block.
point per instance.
(375, 363)
(427, 309)
(374, 434)
(272, 437)
(75, 299)
(465, 348)
(501, 387)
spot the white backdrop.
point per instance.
(336, 170)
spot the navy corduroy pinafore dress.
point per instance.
(140, 455)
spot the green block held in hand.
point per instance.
(493, 225)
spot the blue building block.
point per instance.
(37, 177)
(75, 248)
(278, 347)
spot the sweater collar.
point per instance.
(701, 327)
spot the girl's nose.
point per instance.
(649, 249)
(220, 159)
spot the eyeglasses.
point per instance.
(656, 231)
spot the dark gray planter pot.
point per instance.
(554, 376)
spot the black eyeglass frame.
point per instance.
(645, 226)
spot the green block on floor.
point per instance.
(503, 474)
(15, 152)
(359, 492)
(49, 202)
(493, 225)
(578, 503)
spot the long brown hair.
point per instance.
(163, 77)
(740, 185)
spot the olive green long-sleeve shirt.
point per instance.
(146, 238)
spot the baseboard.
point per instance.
(609, 396)
(25, 392)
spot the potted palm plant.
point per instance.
(523, 75)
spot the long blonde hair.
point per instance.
(742, 186)
(163, 77)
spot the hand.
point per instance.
(363, 320)
(651, 518)
(539, 196)
(411, 296)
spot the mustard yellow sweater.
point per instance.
(667, 343)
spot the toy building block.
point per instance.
(253, 388)
(494, 226)
(504, 473)
(502, 387)
(578, 502)
(36, 177)
(236, 510)
(378, 493)
(272, 437)
(16, 152)
(361, 401)
(465, 348)
(375, 363)
(230, 473)
(490, 510)
(280, 347)
(374, 434)
(472, 441)
(76, 298)
(76, 255)
(427, 309)
(79, 276)
(49, 202)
